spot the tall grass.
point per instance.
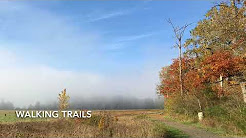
(103, 124)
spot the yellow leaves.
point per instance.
(63, 100)
(101, 123)
(232, 82)
(219, 29)
(107, 123)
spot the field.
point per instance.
(114, 123)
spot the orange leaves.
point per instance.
(195, 78)
(170, 84)
(221, 63)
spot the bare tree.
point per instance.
(179, 32)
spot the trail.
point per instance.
(192, 131)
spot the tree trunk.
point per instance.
(221, 92)
(221, 81)
(179, 32)
(180, 68)
(243, 87)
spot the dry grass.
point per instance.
(133, 123)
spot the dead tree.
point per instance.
(179, 32)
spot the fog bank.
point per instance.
(94, 103)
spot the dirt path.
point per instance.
(192, 131)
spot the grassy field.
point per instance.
(8, 116)
(114, 123)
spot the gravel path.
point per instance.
(192, 131)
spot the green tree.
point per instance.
(222, 29)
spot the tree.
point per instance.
(179, 32)
(222, 29)
(215, 54)
(221, 65)
(63, 100)
(169, 77)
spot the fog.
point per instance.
(93, 103)
(118, 102)
(6, 105)
(24, 86)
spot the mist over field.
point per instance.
(95, 103)
(44, 85)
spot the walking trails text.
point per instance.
(53, 114)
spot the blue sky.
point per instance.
(89, 47)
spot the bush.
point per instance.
(93, 121)
(163, 131)
(216, 111)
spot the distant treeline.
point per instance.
(6, 105)
(117, 102)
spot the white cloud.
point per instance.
(107, 16)
(120, 42)
(135, 37)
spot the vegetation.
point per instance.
(63, 100)
(102, 124)
(213, 71)
(162, 130)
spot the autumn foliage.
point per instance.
(170, 77)
(213, 68)
(63, 100)
(221, 63)
(216, 49)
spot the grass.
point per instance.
(142, 116)
(194, 122)
(162, 130)
(121, 123)
(8, 116)
(166, 131)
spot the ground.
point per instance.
(113, 123)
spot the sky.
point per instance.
(92, 48)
